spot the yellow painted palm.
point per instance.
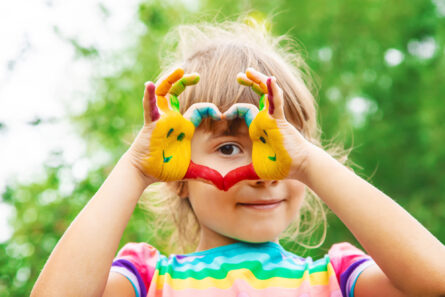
(169, 149)
(164, 149)
(270, 156)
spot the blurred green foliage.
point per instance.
(380, 68)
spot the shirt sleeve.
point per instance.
(137, 262)
(348, 263)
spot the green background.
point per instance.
(397, 139)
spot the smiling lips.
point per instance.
(264, 204)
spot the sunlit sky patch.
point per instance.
(41, 78)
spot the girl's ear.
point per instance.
(182, 189)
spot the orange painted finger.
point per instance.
(245, 81)
(258, 78)
(187, 80)
(166, 83)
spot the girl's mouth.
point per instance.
(262, 205)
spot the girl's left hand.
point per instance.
(279, 150)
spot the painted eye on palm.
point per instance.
(180, 137)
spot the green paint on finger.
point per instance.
(261, 104)
(190, 80)
(177, 88)
(257, 89)
(174, 102)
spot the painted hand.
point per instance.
(279, 151)
(162, 149)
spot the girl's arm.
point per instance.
(411, 258)
(80, 263)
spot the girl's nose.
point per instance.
(262, 183)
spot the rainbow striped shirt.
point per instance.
(241, 270)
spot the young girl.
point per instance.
(239, 177)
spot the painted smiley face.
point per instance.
(170, 147)
(269, 156)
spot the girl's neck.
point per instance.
(210, 239)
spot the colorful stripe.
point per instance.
(316, 279)
(246, 269)
(131, 274)
(242, 288)
(353, 277)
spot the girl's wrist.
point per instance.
(318, 163)
(303, 171)
(142, 179)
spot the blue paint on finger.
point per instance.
(204, 112)
(214, 114)
(249, 117)
(241, 112)
(196, 118)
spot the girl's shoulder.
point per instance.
(137, 261)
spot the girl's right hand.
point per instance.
(162, 149)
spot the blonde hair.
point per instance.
(218, 52)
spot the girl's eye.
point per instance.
(229, 149)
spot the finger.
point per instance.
(242, 79)
(275, 98)
(258, 78)
(186, 80)
(199, 111)
(179, 86)
(244, 111)
(164, 87)
(151, 112)
(263, 102)
(167, 82)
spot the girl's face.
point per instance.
(226, 217)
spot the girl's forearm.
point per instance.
(80, 263)
(411, 257)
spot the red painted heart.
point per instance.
(196, 171)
